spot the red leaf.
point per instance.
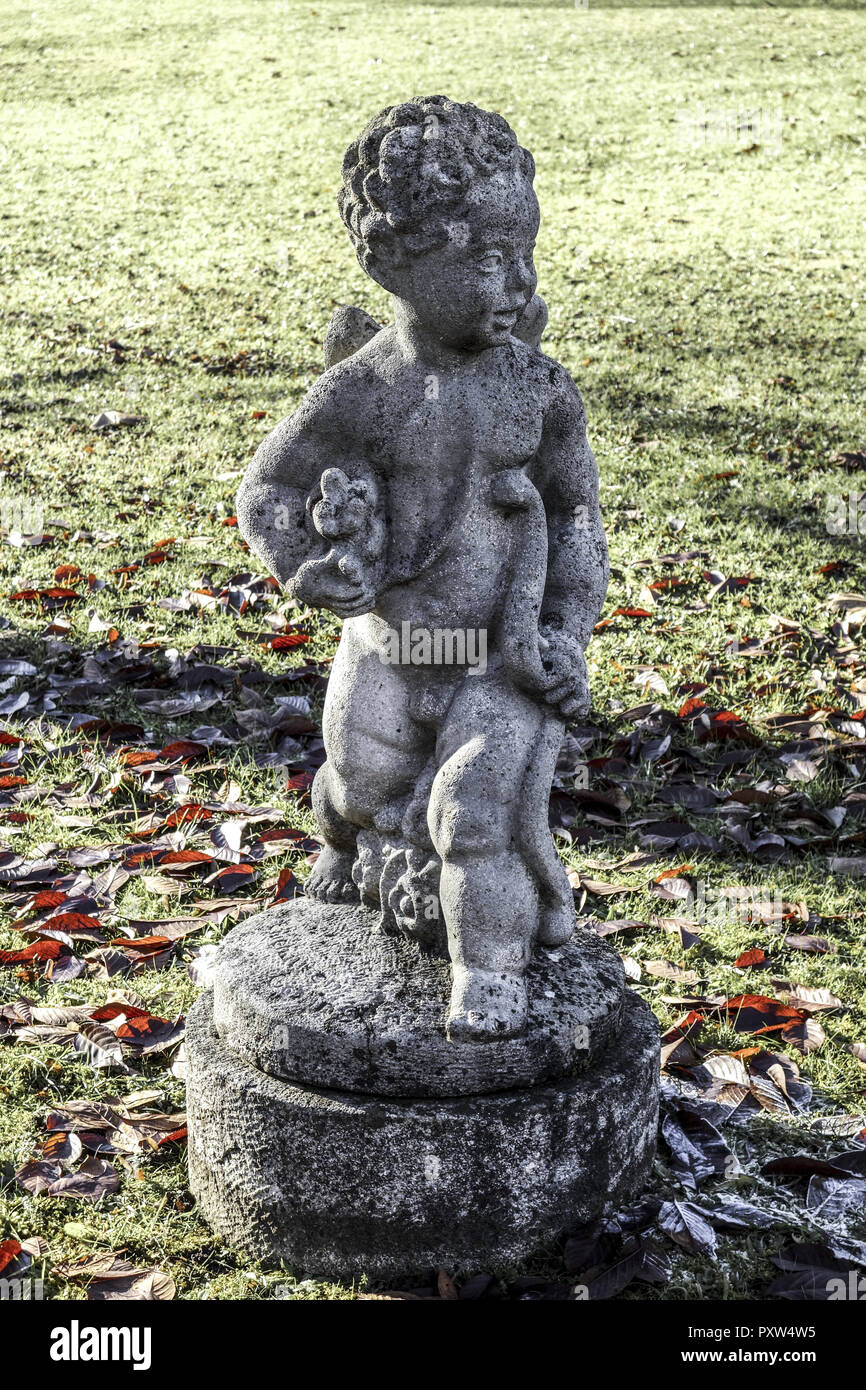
(60, 595)
(141, 856)
(296, 837)
(175, 1137)
(40, 950)
(756, 1013)
(184, 750)
(183, 856)
(692, 706)
(751, 958)
(47, 897)
(235, 876)
(141, 1027)
(9, 1251)
(131, 758)
(288, 887)
(300, 782)
(676, 1043)
(191, 811)
(109, 1011)
(287, 641)
(144, 944)
(726, 724)
(673, 873)
(71, 922)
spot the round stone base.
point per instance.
(318, 994)
(340, 1184)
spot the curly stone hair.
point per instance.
(409, 172)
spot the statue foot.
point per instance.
(557, 924)
(331, 877)
(486, 1005)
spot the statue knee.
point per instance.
(329, 808)
(464, 827)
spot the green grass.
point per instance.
(170, 174)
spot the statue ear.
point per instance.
(385, 260)
(382, 269)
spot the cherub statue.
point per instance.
(438, 474)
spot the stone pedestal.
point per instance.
(333, 1126)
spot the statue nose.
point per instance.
(523, 277)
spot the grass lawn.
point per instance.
(171, 250)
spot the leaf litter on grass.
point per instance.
(156, 690)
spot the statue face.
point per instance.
(470, 293)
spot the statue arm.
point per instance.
(577, 562)
(272, 500)
(578, 570)
(313, 516)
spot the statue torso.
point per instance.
(449, 546)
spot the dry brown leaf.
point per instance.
(669, 970)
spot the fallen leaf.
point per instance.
(100, 1046)
(686, 1224)
(696, 1149)
(669, 970)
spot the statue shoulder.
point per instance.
(550, 379)
(327, 428)
(563, 403)
(339, 399)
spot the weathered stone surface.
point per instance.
(340, 1184)
(318, 993)
(436, 490)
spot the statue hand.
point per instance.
(563, 660)
(344, 506)
(345, 514)
(335, 581)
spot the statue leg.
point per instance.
(375, 753)
(489, 895)
(557, 919)
(331, 878)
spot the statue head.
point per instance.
(437, 197)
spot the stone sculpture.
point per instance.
(437, 492)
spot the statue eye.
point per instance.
(490, 261)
